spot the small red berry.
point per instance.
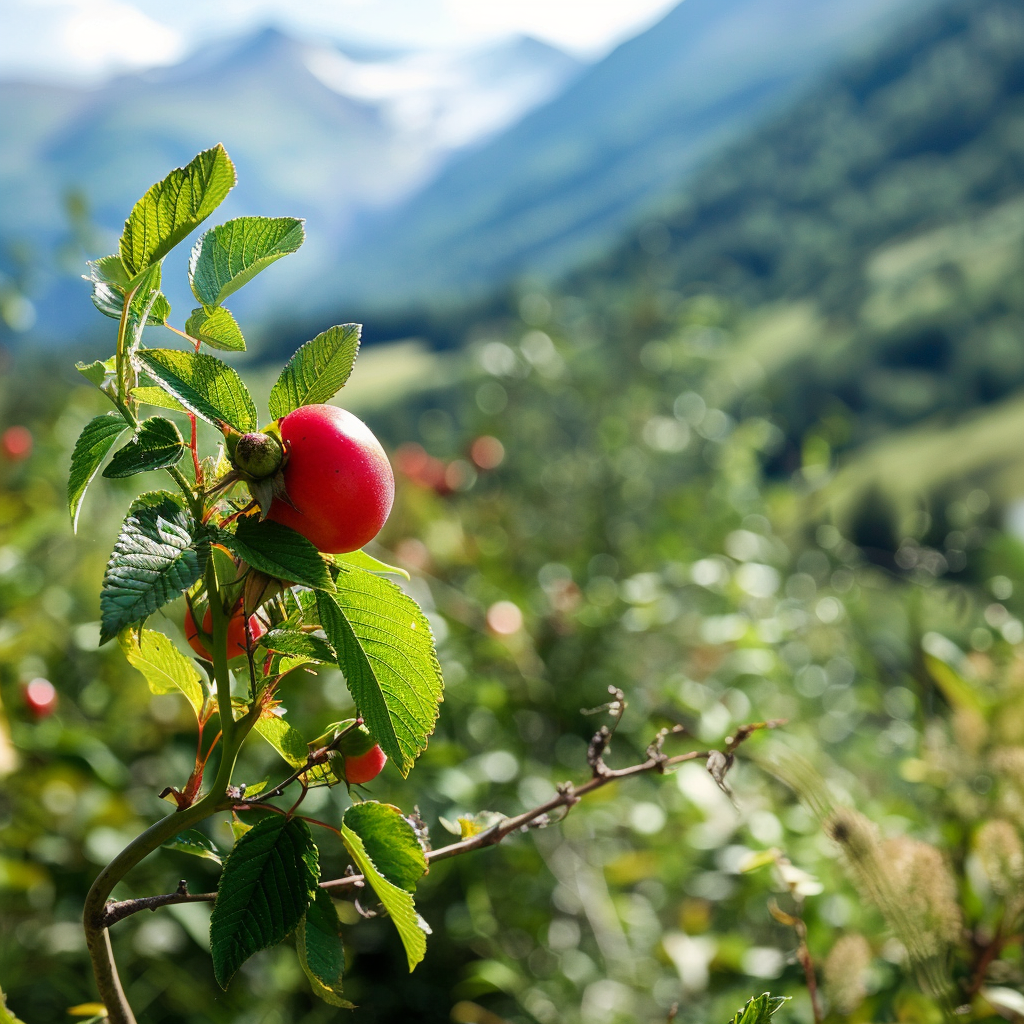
(361, 759)
(16, 443)
(236, 632)
(364, 767)
(41, 698)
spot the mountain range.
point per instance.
(427, 179)
(558, 188)
(314, 130)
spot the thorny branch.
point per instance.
(566, 797)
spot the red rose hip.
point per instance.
(236, 632)
(337, 477)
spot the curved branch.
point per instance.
(566, 798)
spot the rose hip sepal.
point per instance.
(338, 480)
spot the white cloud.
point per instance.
(91, 38)
(84, 38)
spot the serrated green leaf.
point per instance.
(232, 254)
(398, 903)
(390, 842)
(110, 285)
(297, 642)
(155, 558)
(173, 208)
(215, 327)
(203, 384)
(92, 445)
(321, 952)
(268, 881)
(285, 739)
(317, 371)
(6, 1015)
(279, 552)
(157, 445)
(196, 843)
(157, 397)
(96, 371)
(361, 560)
(166, 669)
(759, 1009)
(386, 650)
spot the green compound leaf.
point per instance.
(361, 560)
(196, 843)
(166, 669)
(296, 642)
(317, 371)
(279, 552)
(157, 445)
(398, 903)
(155, 558)
(110, 285)
(320, 949)
(232, 254)
(386, 650)
(215, 327)
(268, 881)
(759, 1009)
(285, 739)
(174, 208)
(92, 445)
(203, 385)
(390, 842)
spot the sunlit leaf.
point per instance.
(202, 384)
(398, 903)
(285, 739)
(232, 254)
(92, 445)
(156, 445)
(196, 843)
(165, 668)
(386, 650)
(215, 327)
(317, 371)
(390, 842)
(173, 208)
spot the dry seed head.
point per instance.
(845, 969)
(1002, 856)
(855, 834)
(924, 890)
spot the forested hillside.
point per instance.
(889, 201)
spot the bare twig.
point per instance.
(567, 796)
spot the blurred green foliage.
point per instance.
(658, 507)
(630, 524)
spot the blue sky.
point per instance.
(90, 39)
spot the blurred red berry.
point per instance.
(41, 698)
(487, 452)
(16, 443)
